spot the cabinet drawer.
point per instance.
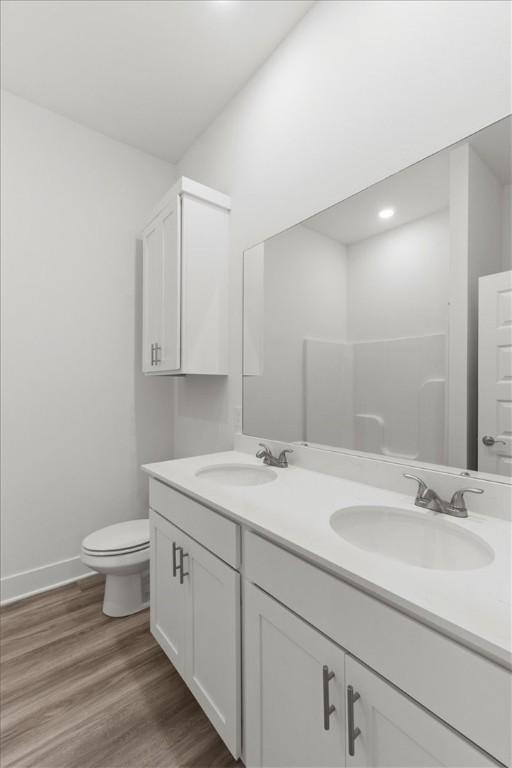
(218, 534)
(466, 690)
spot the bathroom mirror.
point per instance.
(383, 324)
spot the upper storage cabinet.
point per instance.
(185, 279)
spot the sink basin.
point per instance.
(412, 538)
(237, 474)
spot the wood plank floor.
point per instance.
(80, 690)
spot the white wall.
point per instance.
(304, 297)
(351, 96)
(78, 417)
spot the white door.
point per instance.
(495, 374)
(397, 733)
(161, 294)
(168, 596)
(293, 675)
(212, 639)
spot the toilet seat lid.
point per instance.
(119, 537)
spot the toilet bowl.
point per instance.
(121, 552)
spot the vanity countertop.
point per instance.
(471, 606)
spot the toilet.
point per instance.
(121, 552)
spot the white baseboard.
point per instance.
(27, 583)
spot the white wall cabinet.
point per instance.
(185, 283)
(195, 617)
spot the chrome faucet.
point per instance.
(270, 459)
(428, 499)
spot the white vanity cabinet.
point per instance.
(293, 677)
(395, 731)
(308, 703)
(185, 283)
(332, 675)
(167, 593)
(195, 617)
(427, 673)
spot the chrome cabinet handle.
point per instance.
(155, 352)
(183, 573)
(488, 440)
(353, 733)
(178, 566)
(175, 565)
(328, 707)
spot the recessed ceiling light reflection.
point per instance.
(386, 213)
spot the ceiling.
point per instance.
(415, 192)
(151, 73)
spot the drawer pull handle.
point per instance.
(328, 707)
(353, 733)
(175, 565)
(182, 572)
(178, 566)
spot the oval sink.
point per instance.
(237, 474)
(411, 538)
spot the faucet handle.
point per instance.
(457, 500)
(422, 486)
(282, 456)
(265, 452)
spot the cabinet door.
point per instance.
(212, 669)
(398, 733)
(287, 692)
(167, 612)
(161, 294)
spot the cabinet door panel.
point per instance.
(170, 355)
(213, 640)
(167, 612)
(152, 302)
(284, 689)
(161, 316)
(398, 733)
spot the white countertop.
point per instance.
(472, 606)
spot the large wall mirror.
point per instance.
(384, 323)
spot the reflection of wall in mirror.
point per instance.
(304, 280)
(479, 245)
(395, 354)
(332, 314)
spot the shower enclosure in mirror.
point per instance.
(384, 323)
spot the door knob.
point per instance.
(488, 440)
